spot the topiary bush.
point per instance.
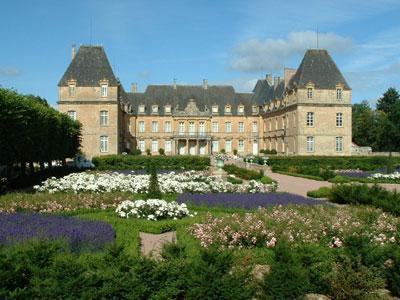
(153, 191)
(242, 172)
(322, 192)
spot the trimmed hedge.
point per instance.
(243, 173)
(363, 194)
(366, 163)
(322, 192)
(130, 162)
(300, 175)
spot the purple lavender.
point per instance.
(355, 174)
(247, 201)
(80, 234)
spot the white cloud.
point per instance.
(10, 71)
(271, 54)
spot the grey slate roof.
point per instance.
(178, 98)
(89, 66)
(318, 67)
(265, 92)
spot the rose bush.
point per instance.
(152, 209)
(191, 181)
(324, 225)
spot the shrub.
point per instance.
(353, 280)
(136, 152)
(322, 192)
(339, 179)
(363, 194)
(148, 152)
(235, 152)
(153, 191)
(242, 172)
(161, 151)
(393, 272)
(234, 180)
(130, 162)
(222, 151)
(266, 180)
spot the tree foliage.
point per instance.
(32, 131)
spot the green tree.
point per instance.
(153, 191)
(363, 124)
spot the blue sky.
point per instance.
(227, 42)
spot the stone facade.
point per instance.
(204, 119)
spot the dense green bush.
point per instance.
(153, 191)
(136, 152)
(243, 173)
(363, 194)
(322, 192)
(129, 162)
(48, 270)
(339, 179)
(312, 177)
(234, 180)
(266, 180)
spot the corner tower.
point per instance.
(89, 92)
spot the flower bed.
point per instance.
(152, 209)
(80, 234)
(190, 181)
(317, 224)
(392, 177)
(247, 201)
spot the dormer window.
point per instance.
(227, 109)
(104, 90)
(154, 109)
(255, 109)
(167, 109)
(215, 109)
(339, 93)
(309, 93)
(141, 108)
(71, 90)
(241, 109)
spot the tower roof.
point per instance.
(319, 68)
(89, 66)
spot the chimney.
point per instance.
(73, 51)
(134, 87)
(205, 84)
(289, 72)
(174, 84)
(276, 81)
(268, 78)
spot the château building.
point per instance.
(307, 112)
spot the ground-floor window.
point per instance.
(168, 146)
(154, 146)
(228, 146)
(215, 146)
(310, 144)
(103, 143)
(339, 144)
(141, 146)
(241, 146)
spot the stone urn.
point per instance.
(220, 163)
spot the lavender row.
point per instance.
(247, 201)
(80, 234)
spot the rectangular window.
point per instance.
(103, 118)
(310, 144)
(215, 109)
(104, 143)
(241, 127)
(270, 125)
(154, 108)
(154, 126)
(215, 146)
(228, 146)
(202, 128)
(167, 126)
(339, 144)
(309, 93)
(141, 108)
(104, 90)
(228, 127)
(276, 123)
(141, 126)
(241, 146)
(241, 109)
(192, 128)
(339, 94)
(142, 146)
(339, 120)
(215, 127)
(167, 109)
(71, 90)
(255, 127)
(181, 128)
(154, 146)
(72, 114)
(310, 119)
(168, 146)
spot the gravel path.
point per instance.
(151, 244)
